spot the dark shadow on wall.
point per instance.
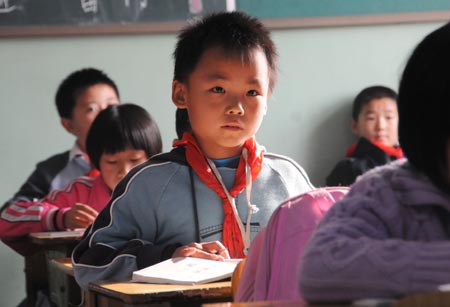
(329, 141)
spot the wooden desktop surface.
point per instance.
(426, 299)
(63, 264)
(260, 304)
(294, 303)
(48, 239)
(141, 294)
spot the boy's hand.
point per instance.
(79, 216)
(208, 250)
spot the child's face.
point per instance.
(226, 100)
(89, 103)
(113, 167)
(378, 122)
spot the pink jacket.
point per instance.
(270, 270)
(18, 219)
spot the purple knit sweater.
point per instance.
(390, 236)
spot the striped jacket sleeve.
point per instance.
(20, 218)
(107, 253)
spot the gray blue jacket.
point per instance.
(163, 204)
(388, 237)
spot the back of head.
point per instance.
(424, 106)
(74, 85)
(234, 32)
(121, 127)
(367, 95)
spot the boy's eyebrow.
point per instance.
(214, 76)
(219, 76)
(370, 111)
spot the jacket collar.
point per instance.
(76, 152)
(364, 148)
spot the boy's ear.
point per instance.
(354, 127)
(179, 93)
(67, 124)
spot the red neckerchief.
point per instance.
(93, 172)
(392, 151)
(231, 235)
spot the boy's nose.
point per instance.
(124, 169)
(381, 123)
(235, 109)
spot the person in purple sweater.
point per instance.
(390, 235)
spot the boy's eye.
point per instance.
(92, 108)
(252, 93)
(217, 89)
(111, 162)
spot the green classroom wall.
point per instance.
(321, 70)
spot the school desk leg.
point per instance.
(35, 276)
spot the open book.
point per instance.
(186, 271)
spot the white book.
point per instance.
(186, 271)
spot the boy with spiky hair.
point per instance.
(209, 196)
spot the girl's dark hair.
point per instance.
(121, 127)
(424, 107)
(75, 84)
(234, 32)
(368, 94)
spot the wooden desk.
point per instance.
(39, 274)
(274, 304)
(129, 294)
(260, 304)
(63, 264)
(428, 299)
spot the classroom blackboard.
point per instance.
(75, 17)
(36, 17)
(57, 12)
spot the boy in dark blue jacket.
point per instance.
(79, 98)
(375, 121)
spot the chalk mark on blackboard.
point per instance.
(6, 8)
(89, 6)
(142, 3)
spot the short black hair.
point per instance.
(75, 84)
(424, 106)
(234, 32)
(121, 127)
(368, 94)
(182, 123)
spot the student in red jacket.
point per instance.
(121, 137)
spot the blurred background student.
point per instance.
(121, 137)
(79, 98)
(375, 122)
